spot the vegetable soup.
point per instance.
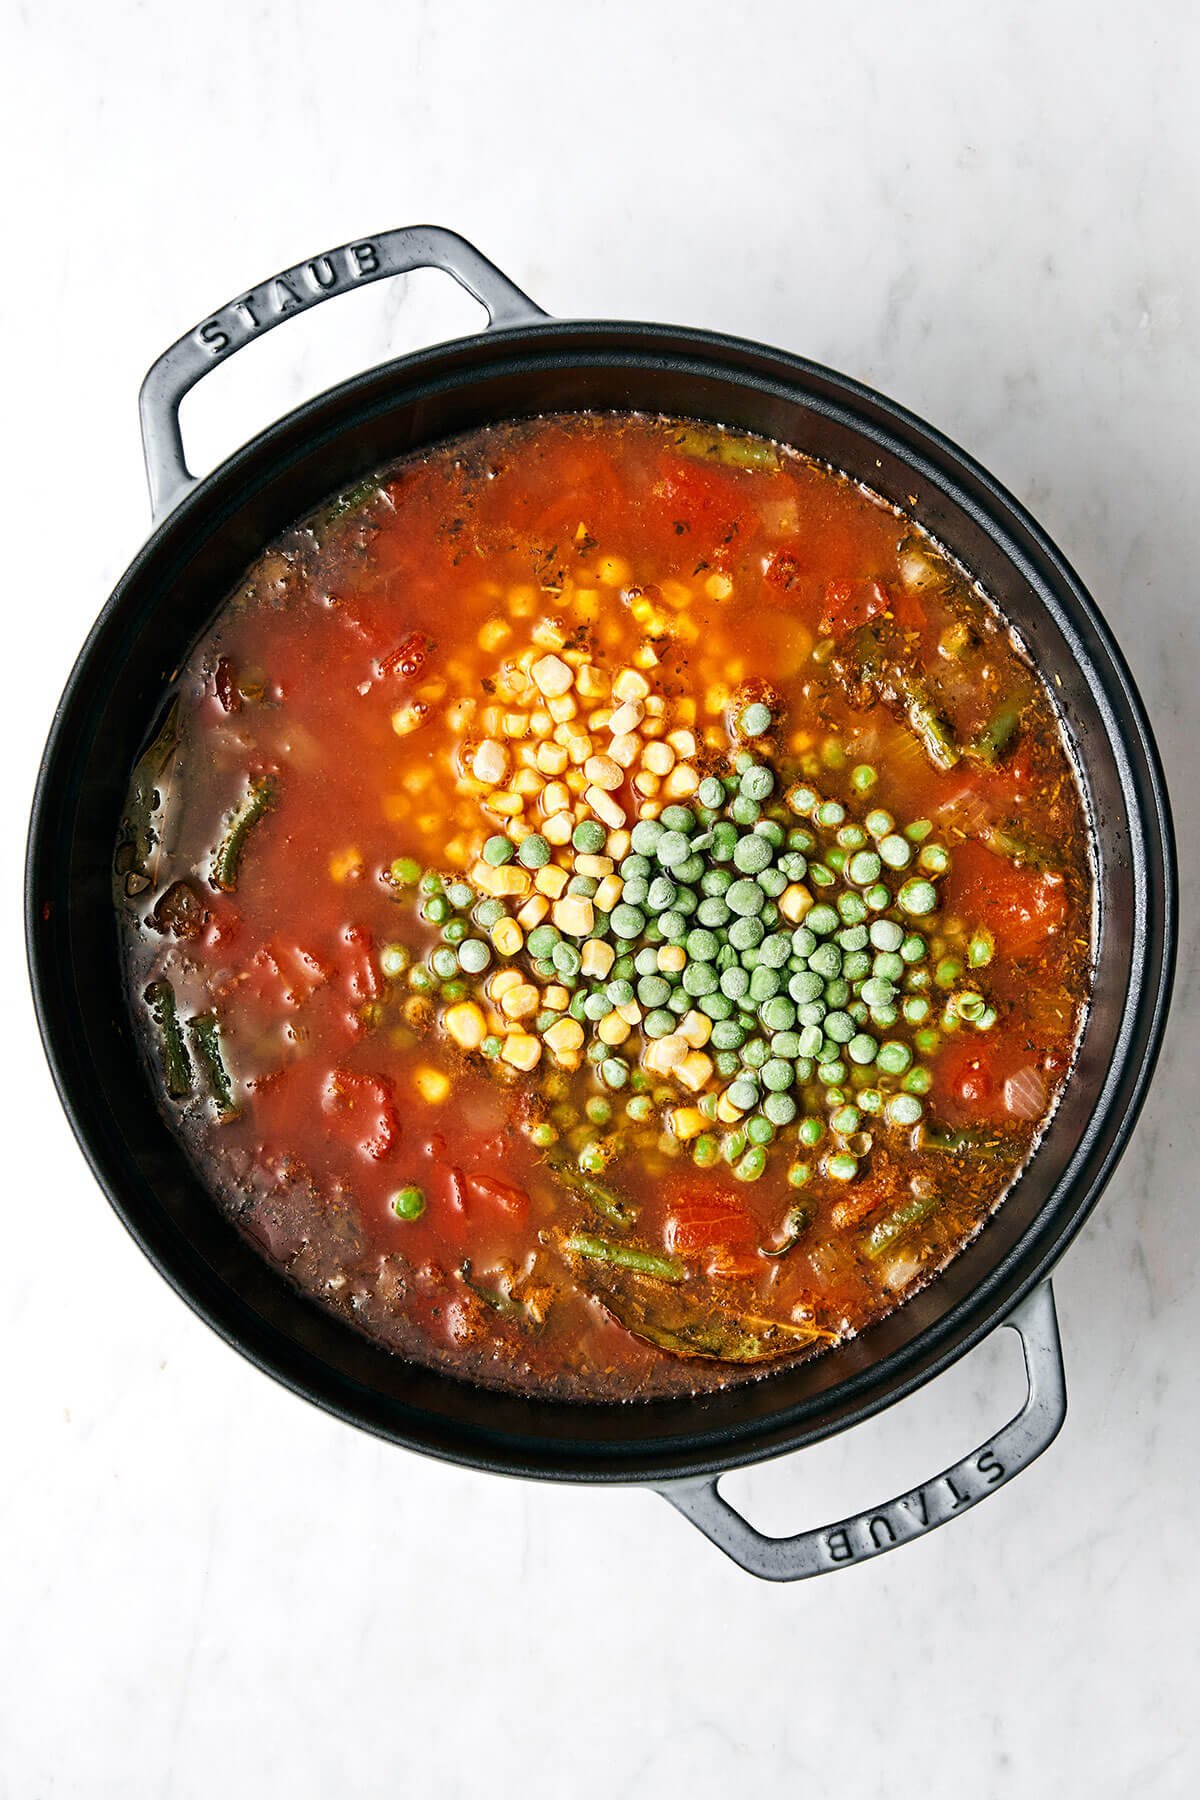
(608, 906)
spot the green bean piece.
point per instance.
(205, 1032)
(796, 1222)
(625, 1256)
(890, 1229)
(228, 854)
(989, 745)
(146, 797)
(177, 1068)
(598, 1194)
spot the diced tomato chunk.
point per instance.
(702, 499)
(363, 1105)
(714, 1229)
(849, 604)
(905, 607)
(510, 1199)
(1022, 907)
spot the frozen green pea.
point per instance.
(934, 859)
(777, 1074)
(661, 893)
(779, 1108)
(863, 868)
(759, 1130)
(754, 720)
(488, 913)
(915, 1008)
(821, 921)
(534, 851)
(757, 783)
(444, 964)
(778, 1013)
(712, 912)
(894, 1057)
(699, 978)
(498, 850)
(919, 830)
(841, 1166)
(863, 778)
(839, 1026)
(711, 792)
(646, 836)
(904, 1109)
(981, 949)
(473, 956)
(895, 851)
(861, 1049)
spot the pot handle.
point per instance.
(922, 1509)
(294, 290)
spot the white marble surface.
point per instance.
(208, 1587)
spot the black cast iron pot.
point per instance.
(206, 532)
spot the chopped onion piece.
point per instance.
(1025, 1094)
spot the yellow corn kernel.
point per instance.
(586, 603)
(591, 683)
(598, 957)
(533, 912)
(460, 713)
(574, 915)
(654, 728)
(665, 1053)
(466, 1024)
(645, 784)
(687, 1122)
(521, 1050)
(612, 571)
(696, 1027)
(552, 759)
(501, 982)
(556, 798)
(631, 1012)
(613, 1029)
(515, 724)
(579, 748)
(672, 959)
(627, 717)
(432, 1085)
(553, 676)
(675, 593)
(555, 998)
(658, 758)
(506, 803)
(608, 893)
(681, 782)
(522, 602)
(521, 1002)
(408, 719)
(695, 1070)
(727, 1112)
(558, 829)
(547, 634)
(685, 709)
(508, 883)
(595, 866)
(566, 1037)
(507, 937)
(603, 772)
(794, 902)
(596, 721)
(540, 723)
(718, 587)
(562, 708)
(550, 881)
(682, 742)
(624, 749)
(493, 633)
(345, 864)
(604, 807)
(649, 809)
(646, 656)
(717, 697)
(618, 845)
(629, 685)
(490, 762)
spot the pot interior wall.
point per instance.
(167, 599)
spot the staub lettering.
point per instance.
(287, 293)
(913, 1514)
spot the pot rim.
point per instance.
(1143, 1013)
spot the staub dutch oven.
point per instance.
(205, 534)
